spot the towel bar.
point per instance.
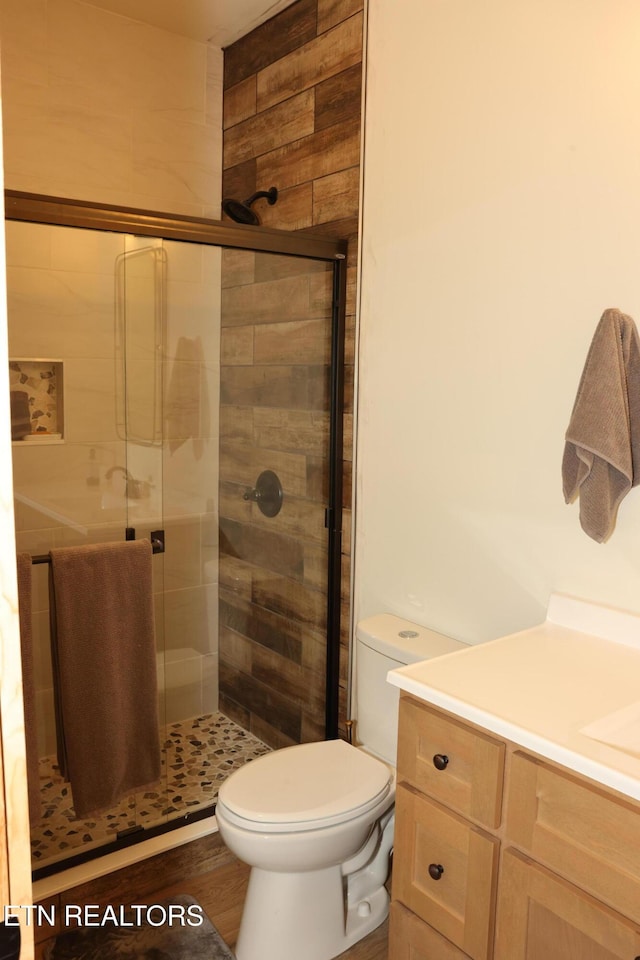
(157, 546)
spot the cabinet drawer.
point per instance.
(472, 763)
(412, 939)
(459, 902)
(582, 832)
(542, 917)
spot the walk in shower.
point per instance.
(181, 379)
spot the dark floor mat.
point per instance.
(168, 930)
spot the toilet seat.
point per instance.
(305, 787)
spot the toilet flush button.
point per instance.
(408, 634)
(364, 908)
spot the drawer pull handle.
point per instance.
(440, 761)
(435, 870)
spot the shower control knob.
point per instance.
(435, 870)
(440, 761)
(267, 493)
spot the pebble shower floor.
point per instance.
(198, 755)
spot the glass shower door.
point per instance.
(78, 476)
(175, 379)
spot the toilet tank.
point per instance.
(385, 642)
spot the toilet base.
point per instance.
(288, 916)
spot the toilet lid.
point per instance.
(311, 781)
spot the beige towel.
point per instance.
(28, 685)
(104, 655)
(602, 451)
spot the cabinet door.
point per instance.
(445, 870)
(542, 917)
(588, 835)
(412, 939)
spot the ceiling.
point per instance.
(217, 21)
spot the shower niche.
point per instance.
(37, 400)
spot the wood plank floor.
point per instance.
(221, 894)
(205, 870)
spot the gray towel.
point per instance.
(602, 451)
(187, 404)
(20, 414)
(104, 657)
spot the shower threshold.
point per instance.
(198, 754)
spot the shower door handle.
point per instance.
(267, 493)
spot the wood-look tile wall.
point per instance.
(292, 105)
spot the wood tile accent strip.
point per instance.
(321, 58)
(276, 266)
(239, 102)
(335, 195)
(303, 342)
(236, 345)
(261, 626)
(269, 129)
(265, 548)
(238, 267)
(240, 181)
(243, 463)
(236, 424)
(273, 301)
(294, 431)
(291, 600)
(292, 680)
(339, 98)
(335, 148)
(275, 406)
(294, 388)
(294, 210)
(331, 12)
(269, 42)
(261, 699)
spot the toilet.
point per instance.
(315, 821)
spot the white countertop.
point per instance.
(539, 688)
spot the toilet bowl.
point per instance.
(315, 821)
(298, 820)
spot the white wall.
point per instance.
(103, 108)
(501, 217)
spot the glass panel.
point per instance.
(92, 482)
(202, 744)
(61, 306)
(274, 416)
(188, 385)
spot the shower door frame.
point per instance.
(60, 211)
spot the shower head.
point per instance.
(241, 211)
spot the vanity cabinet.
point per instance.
(448, 805)
(500, 855)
